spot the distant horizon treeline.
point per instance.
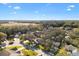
(42, 24)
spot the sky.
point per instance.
(39, 11)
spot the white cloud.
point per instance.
(17, 7)
(72, 6)
(69, 9)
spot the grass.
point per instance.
(62, 52)
(13, 47)
(41, 47)
(26, 52)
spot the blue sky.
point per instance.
(39, 11)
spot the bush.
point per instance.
(2, 36)
(26, 52)
(41, 47)
(75, 42)
(13, 47)
(1, 49)
(26, 42)
(76, 31)
(62, 52)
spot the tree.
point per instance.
(52, 39)
(2, 36)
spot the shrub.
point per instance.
(13, 47)
(2, 36)
(62, 52)
(26, 52)
(26, 42)
(1, 49)
(41, 47)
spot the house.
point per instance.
(16, 36)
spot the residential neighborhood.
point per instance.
(45, 38)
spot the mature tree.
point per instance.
(2, 36)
